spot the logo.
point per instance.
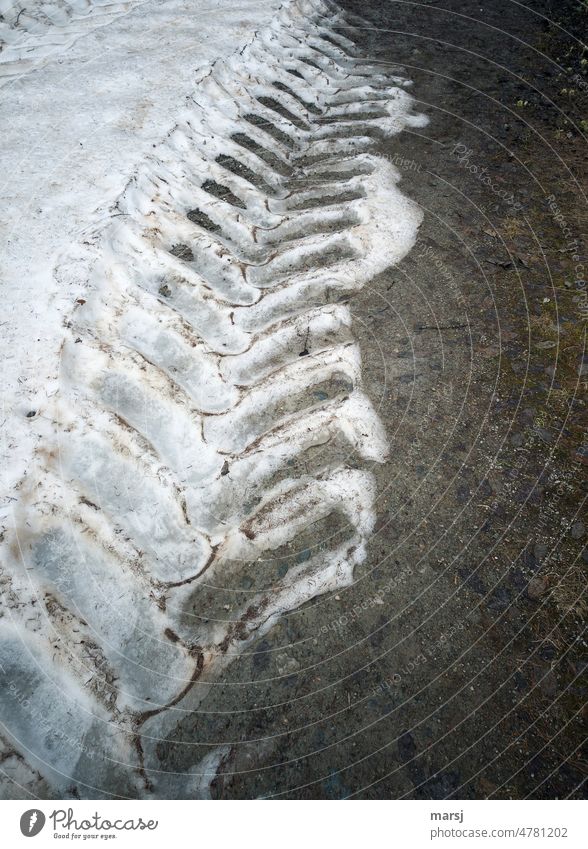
(32, 822)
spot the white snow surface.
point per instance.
(154, 333)
(86, 90)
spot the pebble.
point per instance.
(537, 587)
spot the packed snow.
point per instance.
(180, 272)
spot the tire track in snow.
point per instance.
(208, 402)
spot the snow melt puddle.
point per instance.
(206, 360)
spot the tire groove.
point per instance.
(208, 353)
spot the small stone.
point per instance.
(578, 530)
(537, 587)
(31, 413)
(471, 580)
(489, 351)
(485, 488)
(543, 434)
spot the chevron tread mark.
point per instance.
(210, 397)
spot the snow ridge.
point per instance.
(209, 399)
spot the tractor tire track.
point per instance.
(209, 354)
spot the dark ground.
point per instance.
(466, 680)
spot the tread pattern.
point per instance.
(32, 31)
(209, 402)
